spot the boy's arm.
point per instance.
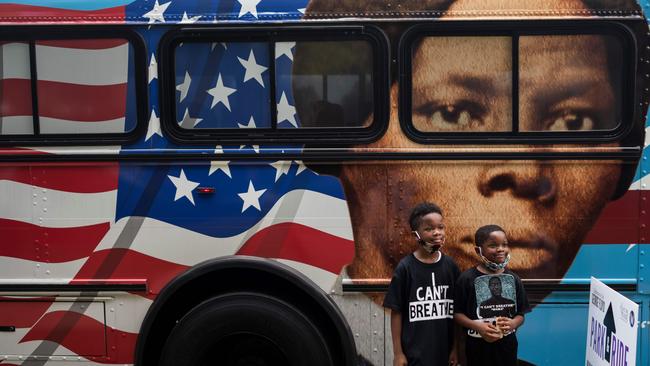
(399, 358)
(487, 331)
(455, 342)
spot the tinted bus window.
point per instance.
(518, 85)
(15, 91)
(54, 87)
(213, 81)
(82, 85)
(336, 88)
(213, 77)
(569, 83)
(462, 84)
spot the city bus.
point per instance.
(229, 182)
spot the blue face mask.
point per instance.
(491, 265)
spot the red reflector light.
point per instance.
(204, 190)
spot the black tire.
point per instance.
(245, 329)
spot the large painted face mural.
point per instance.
(464, 85)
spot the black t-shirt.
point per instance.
(485, 297)
(423, 293)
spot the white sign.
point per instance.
(611, 328)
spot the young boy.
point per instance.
(420, 295)
(490, 302)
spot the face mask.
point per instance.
(491, 265)
(429, 247)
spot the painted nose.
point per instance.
(524, 185)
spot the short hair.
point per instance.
(483, 233)
(420, 210)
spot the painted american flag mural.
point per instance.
(110, 222)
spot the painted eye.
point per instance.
(572, 122)
(459, 116)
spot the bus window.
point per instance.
(82, 85)
(580, 92)
(470, 96)
(15, 90)
(516, 85)
(213, 78)
(218, 84)
(68, 87)
(337, 87)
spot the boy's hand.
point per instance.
(506, 324)
(400, 360)
(453, 357)
(489, 332)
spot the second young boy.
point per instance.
(490, 302)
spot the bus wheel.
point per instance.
(245, 329)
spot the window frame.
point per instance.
(29, 34)
(271, 35)
(514, 30)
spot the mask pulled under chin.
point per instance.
(430, 248)
(491, 265)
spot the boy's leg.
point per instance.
(477, 352)
(500, 353)
(506, 351)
